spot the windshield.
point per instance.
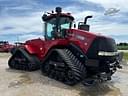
(55, 27)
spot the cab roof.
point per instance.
(54, 15)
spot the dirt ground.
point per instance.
(21, 83)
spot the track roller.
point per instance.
(21, 60)
(63, 66)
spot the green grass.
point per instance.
(125, 55)
(122, 47)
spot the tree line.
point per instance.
(122, 44)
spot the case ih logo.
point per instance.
(80, 37)
(83, 39)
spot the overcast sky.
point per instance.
(21, 19)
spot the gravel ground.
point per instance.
(21, 83)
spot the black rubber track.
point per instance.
(77, 63)
(31, 62)
(73, 65)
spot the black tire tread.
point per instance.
(28, 67)
(75, 65)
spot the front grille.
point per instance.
(101, 44)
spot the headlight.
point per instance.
(103, 53)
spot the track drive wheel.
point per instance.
(21, 60)
(63, 66)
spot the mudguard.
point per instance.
(29, 49)
(12, 51)
(33, 63)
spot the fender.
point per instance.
(35, 46)
(30, 49)
(77, 51)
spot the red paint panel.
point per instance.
(78, 37)
(40, 47)
(81, 38)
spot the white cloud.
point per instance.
(33, 23)
(80, 15)
(110, 29)
(23, 38)
(23, 7)
(21, 25)
(99, 25)
(121, 4)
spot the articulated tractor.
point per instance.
(68, 54)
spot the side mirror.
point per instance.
(74, 25)
(44, 17)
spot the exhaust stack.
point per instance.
(86, 18)
(84, 25)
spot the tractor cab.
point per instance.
(56, 24)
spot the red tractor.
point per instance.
(5, 46)
(68, 54)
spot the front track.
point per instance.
(63, 66)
